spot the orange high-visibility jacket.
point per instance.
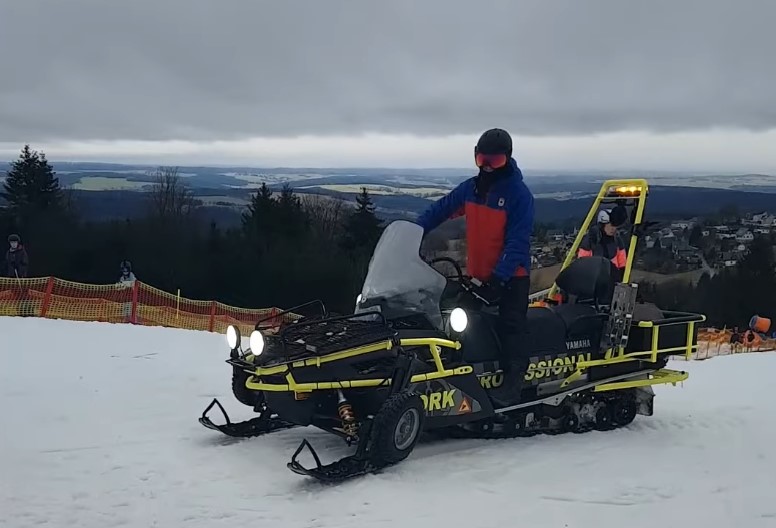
(602, 245)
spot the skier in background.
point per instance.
(127, 278)
(126, 281)
(16, 259)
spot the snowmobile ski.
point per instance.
(262, 424)
(338, 471)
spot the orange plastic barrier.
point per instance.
(138, 303)
(760, 324)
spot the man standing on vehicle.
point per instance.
(499, 211)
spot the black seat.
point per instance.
(545, 331)
(589, 279)
(578, 317)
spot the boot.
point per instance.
(509, 393)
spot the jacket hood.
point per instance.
(515, 170)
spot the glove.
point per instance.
(490, 292)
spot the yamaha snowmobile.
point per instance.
(415, 358)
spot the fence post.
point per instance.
(212, 316)
(47, 297)
(133, 315)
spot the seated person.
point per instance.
(603, 240)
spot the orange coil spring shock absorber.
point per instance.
(346, 414)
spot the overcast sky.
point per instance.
(672, 84)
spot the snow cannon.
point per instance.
(758, 324)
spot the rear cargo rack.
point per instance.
(649, 341)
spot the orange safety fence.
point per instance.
(139, 303)
(136, 303)
(719, 342)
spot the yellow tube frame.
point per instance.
(634, 188)
(434, 346)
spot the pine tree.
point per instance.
(291, 218)
(31, 185)
(258, 220)
(362, 228)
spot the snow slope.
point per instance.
(99, 429)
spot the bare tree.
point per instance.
(326, 214)
(170, 198)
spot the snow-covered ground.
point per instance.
(99, 429)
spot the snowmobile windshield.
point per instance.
(399, 283)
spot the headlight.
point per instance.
(257, 343)
(458, 320)
(232, 337)
(358, 299)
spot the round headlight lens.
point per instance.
(257, 343)
(458, 320)
(232, 337)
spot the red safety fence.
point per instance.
(136, 303)
(139, 303)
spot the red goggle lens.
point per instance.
(495, 161)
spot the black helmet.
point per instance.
(14, 238)
(494, 141)
(618, 215)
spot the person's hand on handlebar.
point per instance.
(490, 292)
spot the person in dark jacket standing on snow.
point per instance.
(499, 211)
(16, 260)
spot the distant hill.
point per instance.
(108, 190)
(673, 202)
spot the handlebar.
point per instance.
(468, 284)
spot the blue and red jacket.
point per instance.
(498, 226)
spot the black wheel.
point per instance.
(570, 423)
(603, 418)
(396, 428)
(623, 411)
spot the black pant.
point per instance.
(513, 310)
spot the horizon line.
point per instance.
(400, 168)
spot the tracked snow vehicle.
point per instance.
(420, 354)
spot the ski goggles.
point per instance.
(494, 161)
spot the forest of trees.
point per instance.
(288, 250)
(731, 297)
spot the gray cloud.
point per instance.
(203, 70)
